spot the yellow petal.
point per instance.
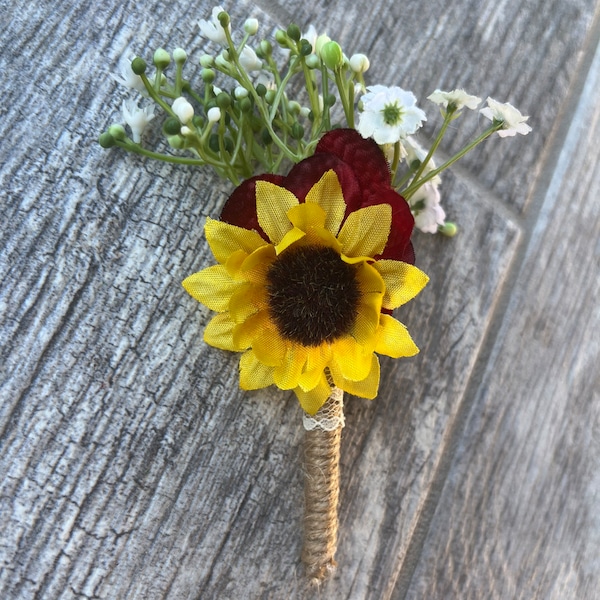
(245, 333)
(212, 286)
(327, 193)
(219, 332)
(323, 237)
(255, 267)
(253, 374)
(402, 282)
(394, 339)
(316, 361)
(272, 204)
(291, 237)
(286, 375)
(312, 400)
(366, 231)
(372, 286)
(270, 348)
(366, 325)
(366, 388)
(245, 301)
(234, 262)
(304, 216)
(352, 359)
(225, 239)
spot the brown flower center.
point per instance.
(313, 294)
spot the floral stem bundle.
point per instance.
(313, 247)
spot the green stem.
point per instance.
(260, 104)
(342, 88)
(181, 160)
(415, 185)
(154, 95)
(434, 146)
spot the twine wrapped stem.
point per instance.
(321, 486)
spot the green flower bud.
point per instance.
(198, 121)
(294, 32)
(329, 100)
(281, 38)
(245, 105)
(332, 56)
(305, 47)
(297, 131)
(261, 90)
(448, 229)
(224, 100)
(294, 107)
(171, 126)
(207, 61)
(208, 75)
(106, 140)
(266, 48)
(313, 62)
(138, 65)
(117, 131)
(270, 96)
(224, 19)
(266, 137)
(176, 141)
(161, 59)
(179, 56)
(320, 42)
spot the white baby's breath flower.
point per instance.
(137, 118)
(214, 114)
(428, 213)
(389, 114)
(249, 60)
(457, 98)
(212, 29)
(127, 77)
(513, 121)
(182, 109)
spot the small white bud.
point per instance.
(185, 130)
(183, 109)
(207, 61)
(214, 114)
(359, 63)
(240, 92)
(179, 55)
(251, 26)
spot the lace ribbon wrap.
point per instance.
(321, 486)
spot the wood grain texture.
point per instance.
(133, 466)
(519, 515)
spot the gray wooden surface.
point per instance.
(133, 466)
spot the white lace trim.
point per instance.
(330, 416)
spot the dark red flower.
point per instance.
(364, 177)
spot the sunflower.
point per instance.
(310, 267)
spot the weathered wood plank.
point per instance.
(518, 517)
(133, 466)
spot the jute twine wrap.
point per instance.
(321, 487)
